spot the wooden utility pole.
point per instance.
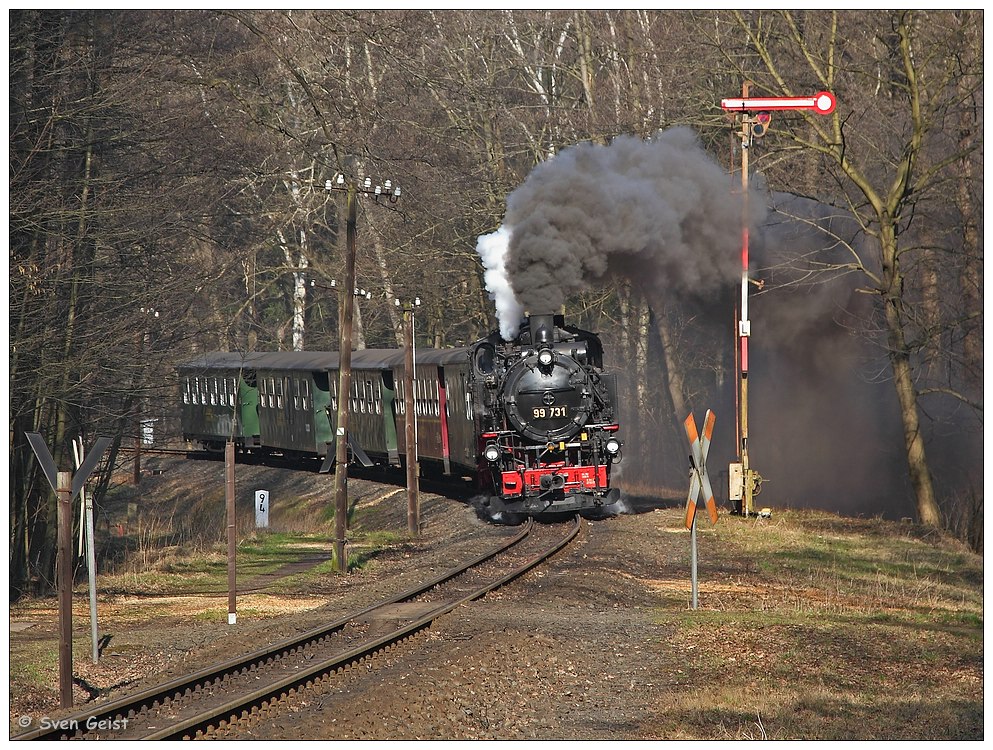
(346, 312)
(410, 422)
(346, 309)
(229, 496)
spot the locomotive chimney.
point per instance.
(542, 329)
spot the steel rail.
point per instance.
(275, 691)
(129, 705)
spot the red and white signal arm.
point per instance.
(823, 103)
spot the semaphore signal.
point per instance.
(823, 103)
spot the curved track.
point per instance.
(200, 704)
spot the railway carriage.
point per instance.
(220, 399)
(294, 395)
(532, 420)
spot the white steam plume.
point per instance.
(493, 249)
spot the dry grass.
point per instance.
(812, 626)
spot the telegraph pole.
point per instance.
(410, 418)
(346, 312)
(346, 307)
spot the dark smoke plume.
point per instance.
(825, 426)
(660, 213)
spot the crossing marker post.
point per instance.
(699, 485)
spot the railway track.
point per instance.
(207, 703)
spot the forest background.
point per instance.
(167, 197)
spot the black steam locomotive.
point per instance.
(533, 421)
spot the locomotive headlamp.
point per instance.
(613, 445)
(545, 357)
(491, 452)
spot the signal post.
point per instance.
(755, 114)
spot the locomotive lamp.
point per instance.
(545, 357)
(492, 452)
(613, 446)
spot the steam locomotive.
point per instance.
(532, 421)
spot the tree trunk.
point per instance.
(903, 380)
(673, 374)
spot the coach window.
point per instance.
(333, 393)
(272, 392)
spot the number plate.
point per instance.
(550, 412)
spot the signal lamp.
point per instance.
(761, 124)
